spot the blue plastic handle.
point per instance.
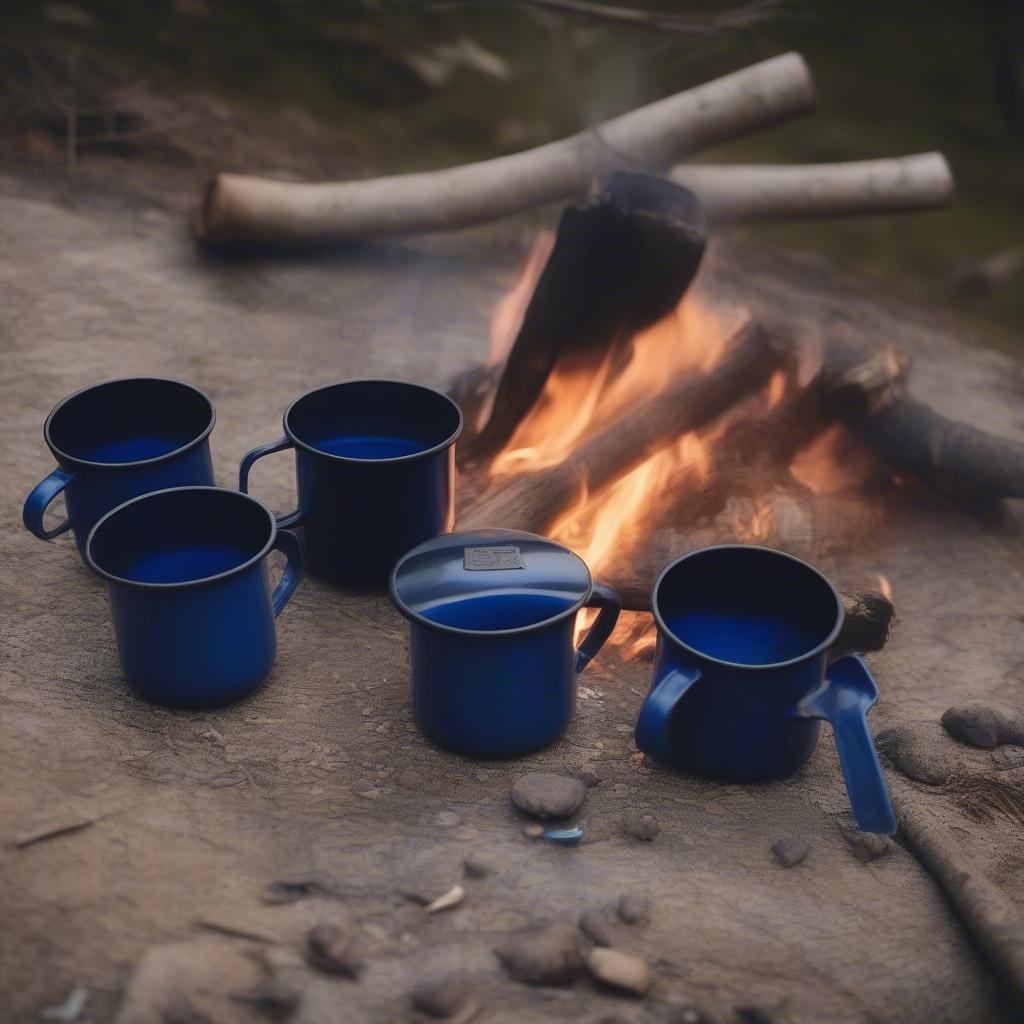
(36, 504)
(610, 605)
(288, 544)
(652, 727)
(844, 699)
(283, 522)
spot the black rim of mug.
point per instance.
(666, 631)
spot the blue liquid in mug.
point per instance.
(370, 446)
(132, 449)
(498, 611)
(743, 637)
(182, 564)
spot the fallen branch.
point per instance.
(621, 261)
(765, 192)
(989, 916)
(532, 501)
(243, 209)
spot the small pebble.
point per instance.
(640, 825)
(620, 970)
(983, 723)
(448, 819)
(594, 925)
(476, 865)
(532, 830)
(635, 909)
(546, 795)
(465, 834)
(549, 955)
(920, 750)
(332, 948)
(272, 997)
(868, 845)
(366, 789)
(441, 997)
(588, 778)
(789, 852)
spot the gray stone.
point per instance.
(595, 926)
(546, 795)
(983, 723)
(790, 851)
(921, 751)
(549, 955)
(868, 845)
(635, 909)
(444, 996)
(333, 949)
(639, 825)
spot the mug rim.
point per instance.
(62, 456)
(531, 627)
(822, 646)
(320, 453)
(235, 570)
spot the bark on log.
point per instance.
(991, 919)
(240, 209)
(765, 192)
(532, 501)
(621, 261)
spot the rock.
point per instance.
(620, 970)
(790, 852)
(532, 830)
(366, 789)
(476, 865)
(546, 795)
(983, 723)
(921, 751)
(640, 825)
(273, 997)
(868, 845)
(549, 955)
(635, 909)
(448, 819)
(596, 927)
(333, 948)
(441, 997)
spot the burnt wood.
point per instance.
(621, 261)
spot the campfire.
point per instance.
(627, 413)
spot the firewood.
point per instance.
(740, 193)
(532, 501)
(989, 916)
(620, 262)
(251, 210)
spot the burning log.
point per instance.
(250, 210)
(621, 261)
(763, 192)
(531, 501)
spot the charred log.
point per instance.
(621, 261)
(532, 501)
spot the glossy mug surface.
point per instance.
(190, 596)
(375, 474)
(116, 440)
(492, 616)
(742, 680)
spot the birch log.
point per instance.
(767, 192)
(242, 209)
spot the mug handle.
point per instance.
(843, 699)
(288, 544)
(608, 601)
(36, 503)
(656, 714)
(283, 522)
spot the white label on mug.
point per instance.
(505, 557)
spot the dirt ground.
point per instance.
(159, 906)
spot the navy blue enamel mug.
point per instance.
(375, 475)
(741, 680)
(186, 572)
(117, 440)
(492, 615)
